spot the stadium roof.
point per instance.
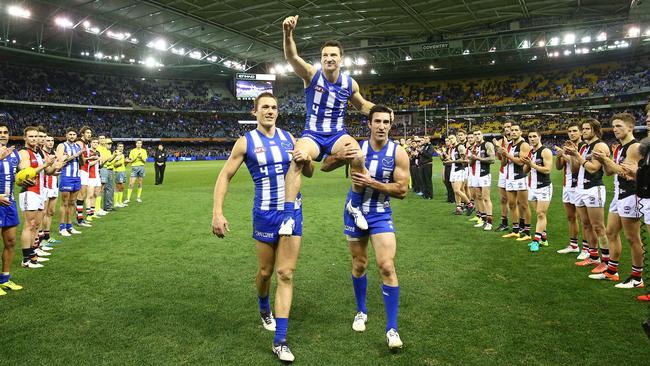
(246, 33)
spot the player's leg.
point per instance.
(130, 189)
(613, 230)
(597, 219)
(81, 198)
(40, 215)
(477, 194)
(459, 194)
(72, 212)
(571, 216)
(524, 215)
(50, 207)
(138, 182)
(357, 165)
(487, 204)
(63, 213)
(27, 236)
(503, 199)
(385, 246)
(293, 181)
(539, 238)
(514, 215)
(265, 262)
(589, 234)
(632, 232)
(9, 240)
(286, 257)
(359, 252)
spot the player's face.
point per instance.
(87, 135)
(120, 148)
(470, 139)
(41, 138)
(478, 137)
(71, 136)
(31, 139)
(574, 133)
(267, 111)
(506, 129)
(533, 139)
(330, 58)
(453, 140)
(4, 135)
(138, 144)
(379, 126)
(515, 132)
(621, 129)
(462, 137)
(102, 139)
(94, 144)
(587, 132)
(49, 142)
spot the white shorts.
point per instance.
(543, 194)
(94, 182)
(568, 195)
(484, 181)
(516, 184)
(467, 173)
(592, 197)
(30, 201)
(52, 192)
(84, 177)
(628, 207)
(472, 181)
(645, 210)
(457, 176)
(502, 180)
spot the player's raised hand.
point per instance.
(299, 156)
(220, 225)
(559, 152)
(629, 170)
(289, 23)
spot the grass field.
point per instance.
(150, 284)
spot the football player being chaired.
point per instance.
(387, 176)
(327, 93)
(267, 152)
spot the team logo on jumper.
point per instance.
(259, 150)
(319, 89)
(343, 93)
(388, 162)
(286, 145)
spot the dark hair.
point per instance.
(264, 95)
(512, 122)
(535, 130)
(477, 130)
(333, 43)
(29, 128)
(120, 143)
(573, 124)
(140, 140)
(84, 129)
(70, 129)
(595, 126)
(41, 129)
(461, 130)
(378, 108)
(627, 118)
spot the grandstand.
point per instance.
(166, 72)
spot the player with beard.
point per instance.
(590, 192)
(69, 153)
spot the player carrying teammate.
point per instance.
(538, 164)
(327, 93)
(267, 154)
(387, 176)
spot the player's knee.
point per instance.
(541, 215)
(599, 229)
(387, 268)
(265, 273)
(359, 265)
(285, 275)
(10, 243)
(611, 233)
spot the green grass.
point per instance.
(149, 284)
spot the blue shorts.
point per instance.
(325, 142)
(9, 215)
(69, 184)
(377, 223)
(266, 225)
(120, 177)
(137, 171)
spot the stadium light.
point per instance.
(431, 67)
(197, 55)
(647, 32)
(569, 38)
(134, 40)
(567, 52)
(158, 44)
(279, 68)
(466, 52)
(151, 62)
(585, 39)
(99, 55)
(347, 62)
(63, 22)
(373, 72)
(346, 72)
(212, 58)
(492, 49)
(317, 65)
(360, 61)
(118, 35)
(272, 70)
(18, 11)
(541, 43)
(602, 37)
(178, 51)
(525, 44)
(408, 58)
(633, 32)
(554, 41)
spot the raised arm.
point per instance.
(304, 70)
(358, 101)
(219, 222)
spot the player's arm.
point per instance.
(560, 159)
(219, 222)
(593, 165)
(358, 101)
(342, 157)
(304, 70)
(547, 158)
(489, 151)
(524, 149)
(632, 159)
(461, 154)
(399, 187)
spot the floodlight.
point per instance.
(585, 39)
(554, 41)
(197, 55)
(18, 11)
(361, 61)
(602, 37)
(541, 43)
(347, 61)
(525, 44)
(569, 38)
(63, 22)
(633, 32)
